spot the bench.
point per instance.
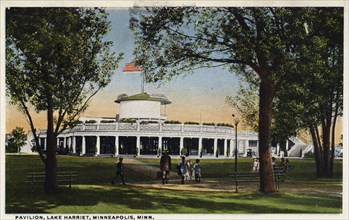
(63, 178)
(255, 177)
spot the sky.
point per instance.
(198, 97)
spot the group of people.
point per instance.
(284, 164)
(185, 171)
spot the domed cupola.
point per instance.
(143, 106)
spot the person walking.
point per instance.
(165, 166)
(197, 171)
(255, 165)
(180, 168)
(119, 172)
(187, 167)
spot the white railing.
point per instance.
(171, 127)
(296, 140)
(149, 127)
(155, 128)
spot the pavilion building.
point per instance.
(141, 129)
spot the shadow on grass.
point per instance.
(130, 199)
(94, 196)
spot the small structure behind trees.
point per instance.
(15, 140)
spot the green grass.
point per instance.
(304, 168)
(94, 194)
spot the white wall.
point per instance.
(140, 109)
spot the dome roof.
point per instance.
(143, 97)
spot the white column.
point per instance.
(246, 146)
(225, 147)
(64, 142)
(215, 146)
(116, 146)
(73, 143)
(278, 149)
(181, 144)
(200, 146)
(83, 147)
(160, 145)
(232, 147)
(138, 145)
(98, 145)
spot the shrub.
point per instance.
(128, 120)
(309, 155)
(191, 123)
(225, 125)
(107, 121)
(90, 121)
(212, 124)
(173, 122)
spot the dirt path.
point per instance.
(220, 185)
(144, 168)
(174, 182)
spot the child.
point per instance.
(180, 167)
(119, 172)
(255, 165)
(197, 171)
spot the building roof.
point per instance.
(143, 97)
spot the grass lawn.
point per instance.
(301, 192)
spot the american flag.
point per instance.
(131, 68)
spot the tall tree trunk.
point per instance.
(326, 131)
(266, 94)
(333, 137)
(51, 160)
(317, 152)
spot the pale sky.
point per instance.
(196, 96)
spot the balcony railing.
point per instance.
(152, 128)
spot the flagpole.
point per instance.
(131, 68)
(142, 82)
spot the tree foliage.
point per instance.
(312, 96)
(246, 103)
(248, 41)
(56, 61)
(263, 42)
(316, 100)
(17, 139)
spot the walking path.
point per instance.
(145, 168)
(223, 185)
(212, 185)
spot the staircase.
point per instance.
(297, 150)
(300, 148)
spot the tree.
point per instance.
(246, 103)
(318, 82)
(312, 96)
(17, 140)
(56, 61)
(248, 41)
